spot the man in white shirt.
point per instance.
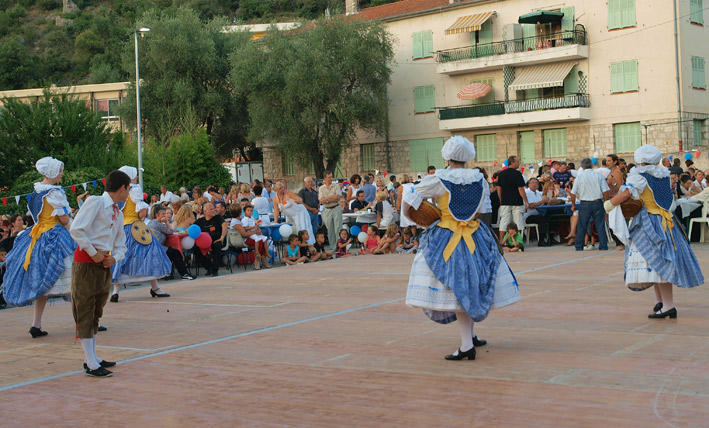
(268, 193)
(166, 195)
(98, 230)
(604, 170)
(534, 199)
(591, 189)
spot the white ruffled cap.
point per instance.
(130, 171)
(648, 154)
(458, 148)
(49, 167)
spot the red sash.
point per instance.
(81, 256)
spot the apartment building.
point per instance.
(558, 80)
(103, 98)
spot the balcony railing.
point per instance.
(499, 107)
(542, 41)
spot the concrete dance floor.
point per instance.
(333, 344)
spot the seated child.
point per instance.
(343, 244)
(385, 213)
(512, 241)
(250, 224)
(387, 244)
(306, 250)
(320, 253)
(372, 240)
(407, 244)
(292, 255)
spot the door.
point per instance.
(243, 173)
(526, 147)
(257, 171)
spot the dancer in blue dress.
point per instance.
(459, 272)
(39, 264)
(146, 260)
(658, 253)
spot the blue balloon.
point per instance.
(594, 160)
(671, 158)
(276, 235)
(505, 162)
(194, 231)
(355, 230)
(688, 156)
(255, 215)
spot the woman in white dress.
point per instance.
(291, 205)
(353, 188)
(406, 187)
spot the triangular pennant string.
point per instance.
(4, 202)
(17, 200)
(103, 180)
(84, 184)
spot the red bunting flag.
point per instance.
(104, 182)
(4, 202)
(494, 164)
(522, 169)
(698, 153)
(550, 161)
(73, 188)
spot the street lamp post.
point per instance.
(140, 30)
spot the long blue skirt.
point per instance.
(142, 262)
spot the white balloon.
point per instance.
(187, 243)
(286, 230)
(362, 237)
(595, 154)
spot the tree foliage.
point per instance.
(57, 126)
(322, 83)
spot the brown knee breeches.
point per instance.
(90, 286)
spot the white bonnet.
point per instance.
(130, 171)
(49, 167)
(648, 154)
(459, 149)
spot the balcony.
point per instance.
(540, 49)
(568, 108)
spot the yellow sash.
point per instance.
(46, 221)
(667, 220)
(129, 214)
(461, 229)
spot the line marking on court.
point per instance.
(215, 304)
(259, 330)
(23, 347)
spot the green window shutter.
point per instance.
(526, 147)
(698, 77)
(486, 147)
(627, 13)
(567, 22)
(617, 79)
(613, 16)
(489, 98)
(698, 131)
(696, 11)
(425, 152)
(430, 96)
(427, 43)
(419, 99)
(418, 45)
(630, 75)
(529, 32)
(288, 165)
(571, 83)
(366, 152)
(485, 33)
(628, 137)
(555, 143)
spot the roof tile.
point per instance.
(399, 8)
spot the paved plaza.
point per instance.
(333, 344)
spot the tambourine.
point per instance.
(426, 215)
(631, 207)
(141, 233)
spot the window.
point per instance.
(423, 44)
(624, 76)
(424, 99)
(628, 137)
(555, 143)
(107, 109)
(486, 149)
(621, 14)
(366, 154)
(698, 131)
(526, 147)
(288, 165)
(696, 12)
(489, 98)
(698, 80)
(425, 152)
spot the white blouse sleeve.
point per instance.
(57, 199)
(136, 195)
(636, 183)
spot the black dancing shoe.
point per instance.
(672, 313)
(114, 298)
(99, 372)
(657, 307)
(154, 294)
(103, 363)
(479, 342)
(35, 332)
(469, 354)
(102, 328)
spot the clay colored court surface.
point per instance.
(333, 344)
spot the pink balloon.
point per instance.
(203, 241)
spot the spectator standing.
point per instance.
(513, 198)
(676, 167)
(257, 188)
(354, 187)
(614, 177)
(431, 170)
(214, 225)
(591, 190)
(370, 190)
(330, 195)
(268, 193)
(165, 195)
(604, 170)
(311, 201)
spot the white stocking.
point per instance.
(94, 349)
(88, 345)
(465, 323)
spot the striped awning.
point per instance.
(541, 76)
(469, 23)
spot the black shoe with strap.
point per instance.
(114, 297)
(469, 354)
(672, 313)
(103, 363)
(99, 372)
(657, 307)
(479, 342)
(36, 332)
